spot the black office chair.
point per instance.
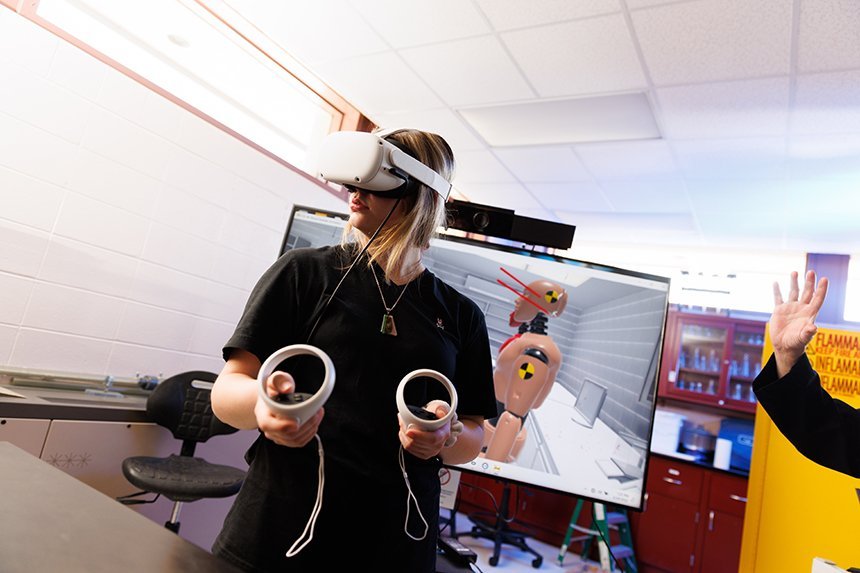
(181, 404)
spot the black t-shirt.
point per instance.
(365, 499)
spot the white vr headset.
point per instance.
(369, 162)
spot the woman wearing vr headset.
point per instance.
(373, 307)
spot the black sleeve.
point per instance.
(822, 428)
(270, 320)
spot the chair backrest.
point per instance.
(181, 403)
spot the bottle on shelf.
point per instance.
(745, 368)
(713, 362)
(712, 389)
(738, 391)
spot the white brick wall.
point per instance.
(131, 231)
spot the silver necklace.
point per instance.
(387, 320)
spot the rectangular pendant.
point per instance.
(388, 325)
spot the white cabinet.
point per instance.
(93, 453)
(27, 434)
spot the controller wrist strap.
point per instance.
(410, 499)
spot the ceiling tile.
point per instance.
(765, 199)
(296, 26)
(405, 24)
(481, 167)
(542, 164)
(827, 38)
(505, 195)
(616, 117)
(732, 159)
(827, 103)
(715, 40)
(509, 14)
(583, 57)
(746, 229)
(366, 82)
(468, 72)
(730, 109)
(647, 195)
(829, 222)
(627, 159)
(442, 121)
(825, 157)
(579, 196)
(829, 202)
(660, 228)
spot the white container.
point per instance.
(667, 432)
(723, 454)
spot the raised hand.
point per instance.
(792, 324)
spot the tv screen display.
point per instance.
(590, 435)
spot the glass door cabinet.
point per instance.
(712, 360)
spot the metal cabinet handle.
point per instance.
(738, 498)
(711, 520)
(672, 481)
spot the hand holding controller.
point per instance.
(456, 425)
(300, 406)
(425, 418)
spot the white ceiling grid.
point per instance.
(758, 104)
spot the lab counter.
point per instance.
(34, 402)
(87, 437)
(699, 463)
(53, 522)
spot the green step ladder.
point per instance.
(602, 522)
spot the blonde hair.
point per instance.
(423, 211)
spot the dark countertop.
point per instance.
(53, 404)
(701, 464)
(53, 522)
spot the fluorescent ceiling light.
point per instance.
(580, 120)
(183, 49)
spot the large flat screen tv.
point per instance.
(590, 437)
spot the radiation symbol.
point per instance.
(526, 371)
(551, 296)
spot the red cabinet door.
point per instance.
(674, 479)
(665, 533)
(721, 549)
(722, 524)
